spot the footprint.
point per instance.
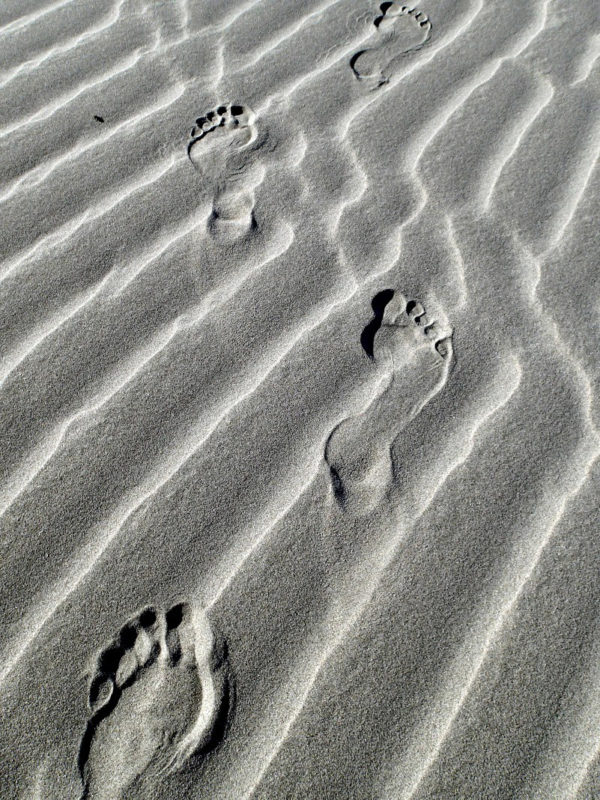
(220, 149)
(399, 30)
(158, 695)
(416, 356)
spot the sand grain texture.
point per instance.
(299, 400)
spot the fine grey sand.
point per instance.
(299, 400)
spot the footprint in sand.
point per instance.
(220, 148)
(416, 356)
(398, 30)
(159, 693)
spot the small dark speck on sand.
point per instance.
(98, 119)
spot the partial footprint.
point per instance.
(227, 126)
(416, 354)
(216, 149)
(158, 695)
(399, 30)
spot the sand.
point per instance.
(299, 400)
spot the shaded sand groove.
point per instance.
(34, 17)
(32, 64)
(303, 403)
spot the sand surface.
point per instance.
(299, 400)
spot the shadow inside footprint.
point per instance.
(378, 304)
